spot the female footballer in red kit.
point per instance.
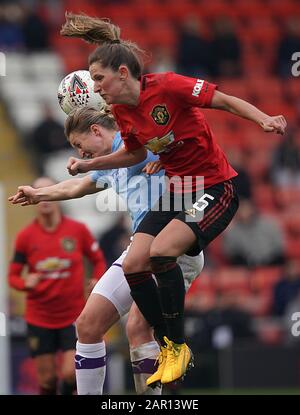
(162, 113)
(52, 247)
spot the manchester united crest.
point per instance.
(160, 114)
(68, 244)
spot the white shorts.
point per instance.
(113, 285)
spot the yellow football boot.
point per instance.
(179, 360)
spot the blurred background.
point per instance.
(239, 311)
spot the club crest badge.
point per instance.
(68, 244)
(160, 115)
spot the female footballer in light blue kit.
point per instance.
(94, 133)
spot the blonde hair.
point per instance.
(112, 51)
(80, 120)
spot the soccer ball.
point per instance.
(77, 90)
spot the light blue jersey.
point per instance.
(138, 190)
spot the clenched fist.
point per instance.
(274, 124)
(76, 166)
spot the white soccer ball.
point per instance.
(77, 90)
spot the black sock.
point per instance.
(67, 388)
(172, 292)
(145, 294)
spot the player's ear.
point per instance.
(94, 129)
(123, 72)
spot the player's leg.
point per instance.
(46, 374)
(144, 351)
(98, 315)
(67, 343)
(178, 237)
(42, 346)
(142, 284)
(68, 384)
(109, 300)
(143, 288)
(171, 288)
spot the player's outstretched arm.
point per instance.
(121, 158)
(68, 189)
(246, 110)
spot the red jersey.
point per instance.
(168, 121)
(58, 298)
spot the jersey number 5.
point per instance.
(202, 203)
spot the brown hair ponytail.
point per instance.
(90, 29)
(112, 51)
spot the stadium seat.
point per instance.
(263, 87)
(285, 9)
(263, 197)
(236, 87)
(231, 278)
(264, 278)
(258, 165)
(293, 247)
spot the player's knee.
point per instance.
(158, 250)
(87, 329)
(131, 265)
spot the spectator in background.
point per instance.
(52, 248)
(221, 324)
(11, 36)
(35, 32)
(285, 168)
(225, 50)
(288, 45)
(116, 240)
(253, 239)
(162, 61)
(193, 49)
(242, 181)
(287, 288)
(46, 138)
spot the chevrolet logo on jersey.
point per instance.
(160, 114)
(159, 144)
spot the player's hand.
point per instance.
(276, 124)
(152, 167)
(26, 195)
(32, 280)
(76, 166)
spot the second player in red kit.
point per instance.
(52, 248)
